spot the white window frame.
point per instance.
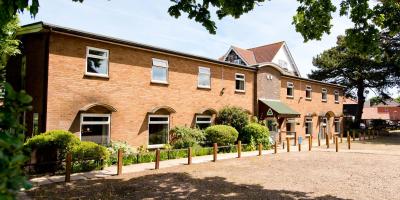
(204, 73)
(95, 123)
(240, 79)
(157, 122)
(309, 88)
(336, 94)
(203, 122)
(98, 57)
(290, 85)
(166, 66)
(336, 120)
(324, 90)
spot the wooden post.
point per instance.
(68, 164)
(348, 141)
(215, 150)
(275, 148)
(299, 147)
(189, 155)
(336, 143)
(157, 159)
(354, 135)
(260, 149)
(319, 140)
(287, 144)
(239, 148)
(327, 140)
(295, 138)
(369, 134)
(309, 143)
(119, 162)
(341, 136)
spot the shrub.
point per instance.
(255, 133)
(233, 116)
(127, 155)
(221, 134)
(184, 137)
(89, 156)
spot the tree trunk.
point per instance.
(360, 104)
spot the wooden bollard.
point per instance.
(299, 147)
(119, 162)
(348, 141)
(341, 136)
(215, 151)
(309, 143)
(327, 140)
(276, 147)
(336, 143)
(260, 149)
(68, 164)
(157, 159)
(319, 140)
(239, 148)
(354, 135)
(189, 155)
(287, 144)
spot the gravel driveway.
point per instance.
(304, 175)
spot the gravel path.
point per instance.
(295, 175)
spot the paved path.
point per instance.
(112, 170)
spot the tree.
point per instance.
(397, 99)
(356, 71)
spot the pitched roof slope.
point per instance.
(267, 52)
(247, 55)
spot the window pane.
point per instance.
(96, 65)
(239, 76)
(289, 91)
(159, 119)
(158, 134)
(204, 70)
(239, 85)
(97, 53)
(159, 73)
(96, 119)
(308, 94)
(203, 119)
(203, 126)
(204, 80)
(97, 133)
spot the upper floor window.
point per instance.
(324, 94)
(289, 90)
(204, 78)
(159, 71)
(239, 82)
(96, 62)
(336, 96)
(203, 121)
(308, 92)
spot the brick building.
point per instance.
(104, 88)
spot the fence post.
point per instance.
(319, 140)
(68, 164)
(215, 150)
(157, 159)
(337, 145)
(287, 144)
(341, 136)
(119, 162)
(327, 140)
(354, 135)
(189, 155)
(275, 148)
(348, 141)
(309, 143)
(239, 144)
(260, 149)
(295, 138)
(299, 147)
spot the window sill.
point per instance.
(289, 97)
(240, 91)
(308, 99)
(155, 146)
(159, 82)
(324, 101)
(203, 88)
(97, 75)
(337, 102)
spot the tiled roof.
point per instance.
(349, 101)
(267, 52)
(247, 55)
(372, 113)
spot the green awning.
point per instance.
(280, 108)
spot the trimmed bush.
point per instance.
(89, 156)
(184, 137)
(254, 134)
(233, 116)
(221, 134)
(128, 155)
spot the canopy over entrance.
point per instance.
(278, 109)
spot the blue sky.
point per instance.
(148, 22)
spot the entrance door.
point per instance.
(272, 125)
(323, 124)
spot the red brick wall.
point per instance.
(129, 90)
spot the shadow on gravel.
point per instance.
(164, 186)
(390, 139)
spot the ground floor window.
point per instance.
(337, 125)
(158, 130)
(308, 126)
(290, 124)
(203, 121)
(272, 125)
(95, 128)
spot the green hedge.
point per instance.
(89, 156)
(254, 134)
(221, 134)
(233, 116)
(184, 137)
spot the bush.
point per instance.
(184, 137)
(89, 156)
(128, 155)
(233, 116)
(255, 134)
(221, 134)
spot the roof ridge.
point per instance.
(283, 41)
